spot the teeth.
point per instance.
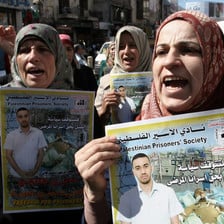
(172, 79)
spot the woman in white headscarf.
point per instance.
(132, 54)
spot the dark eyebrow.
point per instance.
(183, 43)
(187, 43)
(192, 44)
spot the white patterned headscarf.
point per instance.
(142, 43)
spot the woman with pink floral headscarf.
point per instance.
(188, 66)
(188, 70)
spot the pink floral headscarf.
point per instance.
(211, 40)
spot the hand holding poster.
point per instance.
(187, 155)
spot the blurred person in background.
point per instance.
(80, 54)
(83, 76)
(107, 65)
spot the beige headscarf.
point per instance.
(142, 44)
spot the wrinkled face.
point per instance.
(178, 68)
(142, 170)
(69, 51)
(36, 64)
(128, 52)
(23, 118)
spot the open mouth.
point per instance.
(128, 59)
(175, 82)
(35, 71)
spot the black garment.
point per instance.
(98, 128)
(84, 78)
(71, 216)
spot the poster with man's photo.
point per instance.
(133, 87)
(186, 153)
(40, 132)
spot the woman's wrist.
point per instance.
(92, 196)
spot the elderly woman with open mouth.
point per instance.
(39, 60)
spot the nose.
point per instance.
(126, 48)
(172, 58)
(34, 54)
(143, 170)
